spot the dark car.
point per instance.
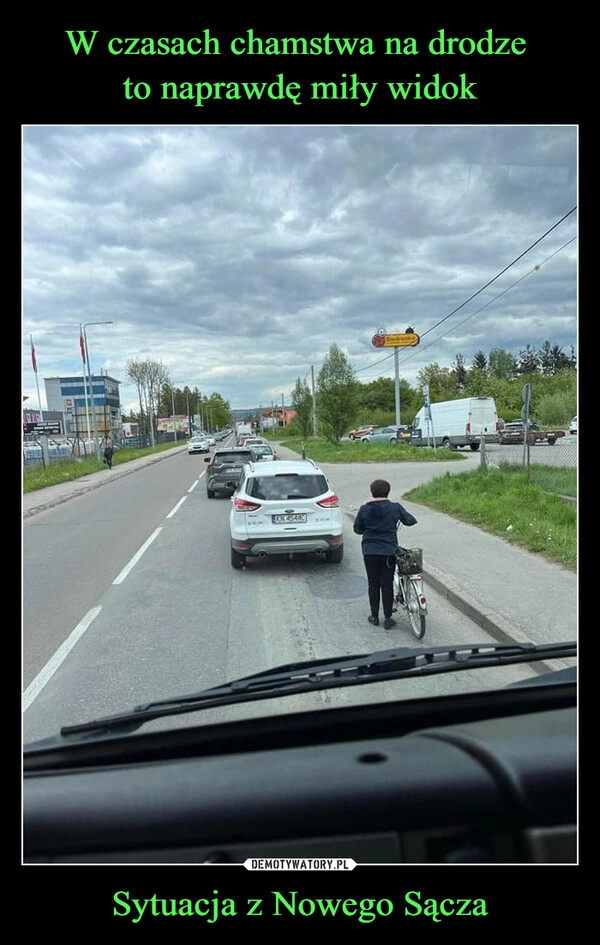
(225, 470)
(513, 432)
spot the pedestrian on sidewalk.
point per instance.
(377, 521)
(109, 449)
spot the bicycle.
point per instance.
(408, 589)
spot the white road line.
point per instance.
(121, 577)
(194, 484)
(34, 688)
(177, 507)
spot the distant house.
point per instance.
(276, 416)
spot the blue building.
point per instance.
(80, 406)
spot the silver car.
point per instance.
(262, 451)
(382, 435)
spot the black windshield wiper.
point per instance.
(316, 675)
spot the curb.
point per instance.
(80, 486)
(489, 621)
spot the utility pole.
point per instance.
(85, 390)
(314, 402)
(87, 358)
(173, 415)
(397, 386)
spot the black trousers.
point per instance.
(380, 576)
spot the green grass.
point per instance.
(500, 501)
(322, 451)
(558, 480)
(66, 470)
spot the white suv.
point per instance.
(285, 508)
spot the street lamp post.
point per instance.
(87, 358)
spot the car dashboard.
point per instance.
(475, 778)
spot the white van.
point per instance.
(456, 423)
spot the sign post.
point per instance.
(428, 415)
(407, 339)
(526, 399)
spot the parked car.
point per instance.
(573, 426)
(225, 469)
(285, 508)
(198, 444)
(513, 432)
(361, 431)
(383, 435)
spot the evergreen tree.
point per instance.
(529, 361)
(460, 372)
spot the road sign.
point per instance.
(402, 340)
(526, 398)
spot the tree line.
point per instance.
(341, 401)
(159, 398)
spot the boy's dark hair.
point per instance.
(380, 489)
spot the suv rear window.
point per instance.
(237, 459)
(286, 486)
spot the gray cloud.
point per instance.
(237, 255)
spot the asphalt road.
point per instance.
(129, 596)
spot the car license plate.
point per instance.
(289, 519)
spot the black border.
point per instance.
(545, 86)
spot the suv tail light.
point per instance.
(331, 502)
(242, 505)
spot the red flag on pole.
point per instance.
(33, 358)
(82, 345)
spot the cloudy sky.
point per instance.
(236, 255)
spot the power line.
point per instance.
(501, 273)
(483, 287)
(491, 301)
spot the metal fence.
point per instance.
(67, 449)
(535, 458)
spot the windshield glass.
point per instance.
(249, 281)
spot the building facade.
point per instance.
(85, 412)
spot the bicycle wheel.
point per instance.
(398, 599)
(413, 609)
